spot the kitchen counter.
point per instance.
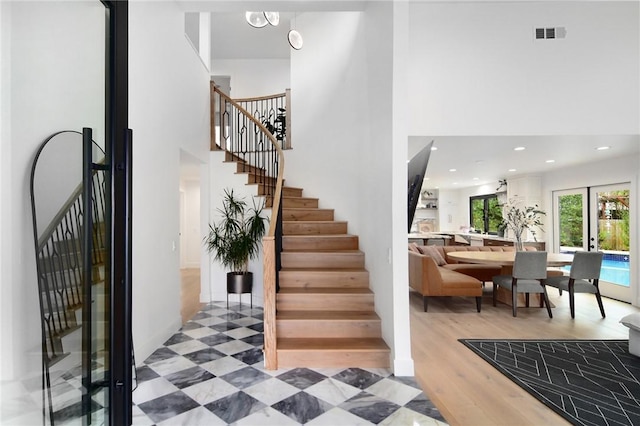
(469, 238)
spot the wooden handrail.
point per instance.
(269, 241)
(262, 98)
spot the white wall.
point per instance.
(47, 86)
(223, 177)
(191, 248)
(476, 69)
(349, 135)
(168, 112)
(254, 77)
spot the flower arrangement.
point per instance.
(520, 218)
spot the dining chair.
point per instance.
(583, 277)
(529, 269)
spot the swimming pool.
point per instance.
(615, 269)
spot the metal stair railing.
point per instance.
(258, 151)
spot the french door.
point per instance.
(597, 219)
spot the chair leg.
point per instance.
(599, 298)
(526, 300)
(478, 303)
(424, 303)
(546, 302)
(572, 302)
(495, 294)
(514, 302)
(600, 305)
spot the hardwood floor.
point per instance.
(469, 391)
(189, 293)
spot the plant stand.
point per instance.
(240, 283)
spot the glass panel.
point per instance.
(571, 221)
(612, 210)
(72, 293)
(477, 214)
(494, 214)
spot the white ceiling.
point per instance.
(489, 158)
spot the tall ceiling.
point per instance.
(477, 159)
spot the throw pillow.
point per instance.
(434, 253)
(414, 248)
(632, 321)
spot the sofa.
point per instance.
(432, 273)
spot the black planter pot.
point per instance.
(239, 283)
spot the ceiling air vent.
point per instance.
(550, 33)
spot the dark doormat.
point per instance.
(588, 382)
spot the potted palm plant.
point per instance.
(236, 239)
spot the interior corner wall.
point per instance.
(476, 68)
(169, 113)
(223, 177)
(343, 137)
(254, 77)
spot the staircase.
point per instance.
(325, 310)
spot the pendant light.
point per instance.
(295, 38)
(256, 19)
(272, 17)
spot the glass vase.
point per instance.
(518, 244)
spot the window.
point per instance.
(485, 213)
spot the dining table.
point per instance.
(505, 260)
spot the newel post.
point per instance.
(270, 353)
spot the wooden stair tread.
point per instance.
(332, 344)
(337, 271)
(346, 251)
(324, 290)
(328, 315)
(312, 222)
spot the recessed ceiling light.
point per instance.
(550, 161)
(452, 170)
(455, 183)
(434, 148)
(475, 178)
(602, 148)
(512, 170)
(519, 148)
(427, 178)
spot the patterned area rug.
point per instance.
(588, 382)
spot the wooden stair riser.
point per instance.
(264, 190)
(328, 328)
(324, 278)
(299, 202)
(319, 302)
(329, 353)
(314, 228)
(253, 178)
(323, 242)
(305, 214)
(323, 260)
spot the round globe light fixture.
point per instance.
(256, 19)
(295, 39)
(272, 17)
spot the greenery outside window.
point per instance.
(485, 213)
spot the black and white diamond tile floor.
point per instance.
(211, 372)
